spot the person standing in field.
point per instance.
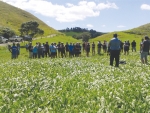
(144, 50)
(47, 54)
(67, 49)
(104, 47)
(55, 45)
(62, 49)
(18, 50)
(39, 49)
(30, 50)
(35, 50)
(80, 50)
(133, 46)
(83, 46)
(87, 49)
(128, 43)
(70, 50)
(121, 47)
(59, 49)
(99, 45)
(53, 50)
(114, 50)
(93, 48)
(126, 48)
(13, 51)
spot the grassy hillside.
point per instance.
(71, 33)
(121, 35)
(13, 17)
(142, 30)
(133, 34)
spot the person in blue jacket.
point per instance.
(13, 51)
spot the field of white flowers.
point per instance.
(73, 85)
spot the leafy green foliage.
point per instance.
(30, 28)
(85, 84)
(6, 32)
(76, 32)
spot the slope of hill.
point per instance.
(121, 35)
(13, 17)
(133, 34)
(141, 30)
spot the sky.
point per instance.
(100, 15)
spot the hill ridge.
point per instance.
(13, 17)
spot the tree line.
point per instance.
(83, 33)
(30, 28)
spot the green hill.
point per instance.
(133, 34)
(13, 17)
(122, 36)
(141, 30)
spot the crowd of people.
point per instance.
(54, 50)
(61, 50)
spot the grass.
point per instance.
(13, 17)
(142, 30)
(71, 33)
(121, 35)
(84, 84)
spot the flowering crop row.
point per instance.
(74, 85)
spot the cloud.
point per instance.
(89, 25)
(103, 25)
(63, 13)
(145, 7)
(121, 26)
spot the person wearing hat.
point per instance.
(114, 45)
(144, 50)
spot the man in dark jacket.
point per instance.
(114, 50)
(144, 50)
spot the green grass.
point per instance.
(56, 39)
(71, 33)
(142, 30)
(73, 85)
(121, 35)
(13, 17)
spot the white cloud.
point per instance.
(145, 7)
(103, 25)
(121, 26)
(89, 25)
(63, 13)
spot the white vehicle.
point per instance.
(3, 40)
(16, 39)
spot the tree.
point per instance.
(30, 28)
(85, 36)
(41, 32)
(6, 32)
